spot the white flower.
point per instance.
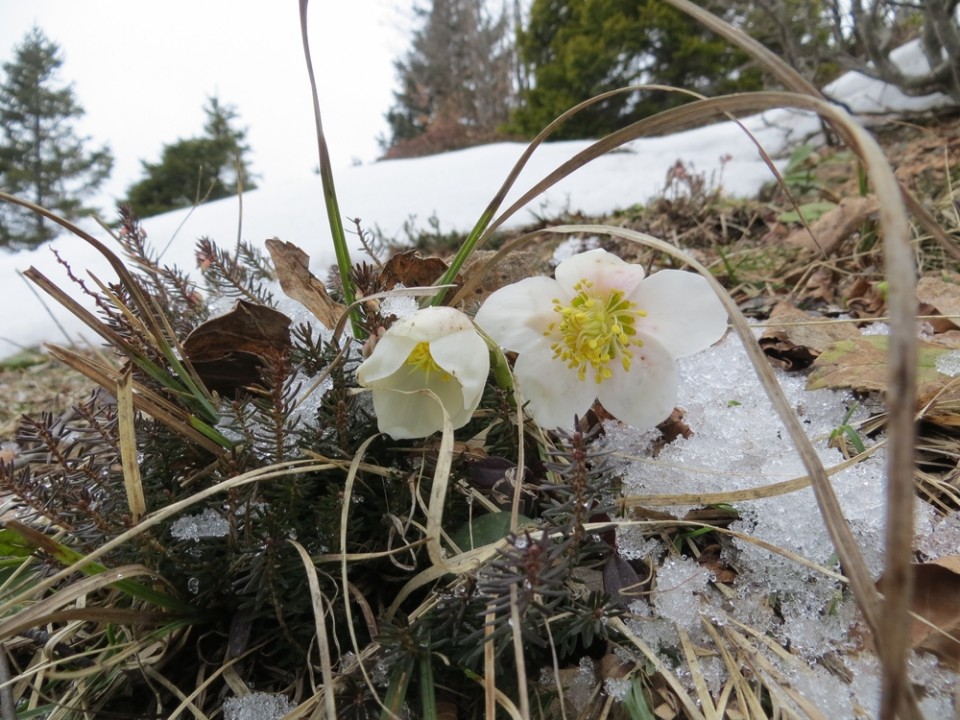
(602, 331)
(436, 349)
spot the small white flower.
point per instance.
(436, 349)
(602, 331)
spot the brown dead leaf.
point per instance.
(228, 351)
(860, 364)
(794, 338)
(936, 598)
(819, 287)
(411, 270)
(940, 296)
(293, 271)
(832, 228)
(865, 299)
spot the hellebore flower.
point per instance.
(436, 349)
(602, 331)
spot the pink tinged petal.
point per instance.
(683, 312)
(644, 395)
(465, 356)
(553, 391)
(518, 315)
(605, 270)
(390, 353)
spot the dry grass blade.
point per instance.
(152, 315)
(689, 704)
(344, 576)
(733, 496)
(771, 61)
(128, 446)
(35, 613)
(144, 399)
(696, 674)
(323, 643)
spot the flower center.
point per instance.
(595, 331)
(421, 359)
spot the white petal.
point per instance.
(517, 316)
(465, 356)
(391, 351)
(405, 410)
(554, 392)
(431, 323)
(683, 312)
(644, 395)
(605, 270)
(404, 416)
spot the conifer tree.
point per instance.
(456, 81)
(42, 159)
(197, 169)
(576, 49)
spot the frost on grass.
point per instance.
(207, 524)
(738, 442)
(256, 706)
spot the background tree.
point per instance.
(42, 159)
(456, 81)
(198, 169)
(577, 49)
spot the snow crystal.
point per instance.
(680, 582)
(256, 706)
(948, 363)
(207, 524)
(399, 305)
(943, 538)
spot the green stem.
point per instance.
(330, 191)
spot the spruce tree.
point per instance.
(194, 170)
(42, 159)
(456, 81)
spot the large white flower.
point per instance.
(602, 331)
(436, 349)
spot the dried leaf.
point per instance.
(293, 271)
(865, 299)
(936, 597)
(860, 364)
(801, 338)
(620, 580)
(228, 351)
(411, 270)
(940, 296)
(835, 226)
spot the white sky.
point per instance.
(143, 70)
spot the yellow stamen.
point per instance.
(421, 359)
(595, 331)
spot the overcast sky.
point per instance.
(143, 70)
